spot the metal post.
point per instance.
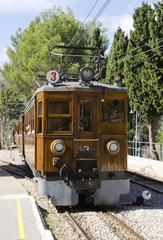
(161, 152)
(1, 124)
(139, 131)
(136, 133)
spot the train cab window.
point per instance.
(58, 115)
(58, 107)
(58, 124)
(39, 117)
(86, 116)
(112, 111)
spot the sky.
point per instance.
(16, 14)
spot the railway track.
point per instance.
(122, 230)
(77, 226)
(145, 181)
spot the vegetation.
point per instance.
(116, 56)
(29, 54)
(139, 62)
(137, 59)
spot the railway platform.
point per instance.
(148, 167)
(19, 215)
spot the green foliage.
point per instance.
(29, 55)
(143, 66)
(97, 37)
(116, 56)
(160, 136)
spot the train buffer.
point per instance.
(19, 216)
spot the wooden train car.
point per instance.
(18, 134)
(75, 140)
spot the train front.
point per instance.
(82, 130)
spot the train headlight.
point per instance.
(58, 147)
(86, 74)
(113, 147)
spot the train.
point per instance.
(73, 135)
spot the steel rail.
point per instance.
(145, 181)
(77, 226)
(147, 186)
(120, 224)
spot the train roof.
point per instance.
(77, 86)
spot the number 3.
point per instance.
(53, 76)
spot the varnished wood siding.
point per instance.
(117, 162)
(30, 149)
(67, 157)
(74, 140)
(79, 146)
(40, 153)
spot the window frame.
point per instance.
(39, 117)
(112, 121)
(59, 116)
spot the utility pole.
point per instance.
(2, 117)
(137, 134)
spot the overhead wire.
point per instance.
(123, 54)
(94, 5)
(149, 50)
(96, 16)
(90, 11)
(135, 65)
(102, 9)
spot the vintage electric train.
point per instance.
(73, 134)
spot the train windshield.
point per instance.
(112, 111)
(58, 116)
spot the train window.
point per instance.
(58, 124)
(58, 107)
(32, 119)
(39, 117)
(86, 116)
(40, 108)
(112, 111)
(58, 115)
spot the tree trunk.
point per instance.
(152, 147)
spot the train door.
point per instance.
(85, 141)
(86, 117)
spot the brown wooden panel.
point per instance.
(29, 144)
(113, 128)
(117, 162)
(67, 157)
(39, 153)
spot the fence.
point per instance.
(142, 149)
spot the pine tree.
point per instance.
(143, 67)
(29, 55)
(116, 56)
